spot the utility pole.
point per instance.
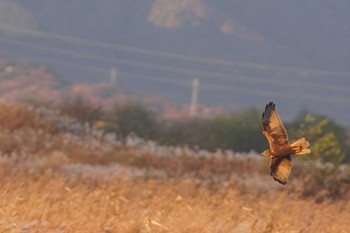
(194, 97)
(113, 77)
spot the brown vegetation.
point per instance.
(57, 175)
(50, 203)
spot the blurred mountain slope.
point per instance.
(244, 52)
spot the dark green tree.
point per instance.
(135, 118)
(328, 140)
(81, 110)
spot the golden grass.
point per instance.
(53, 203)
(17, 116)
(57, 177)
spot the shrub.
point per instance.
(328, 146)
(238, 131)
(81, 110)
(17, 116)
(327, 139)
(134, 118)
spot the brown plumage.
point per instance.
(280, 150)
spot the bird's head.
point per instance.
(266, 153)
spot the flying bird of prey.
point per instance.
(280, 150)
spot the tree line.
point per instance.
(238, 131)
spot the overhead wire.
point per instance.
(172, 55)
(58, 62)
(178, 70)
(191, 72)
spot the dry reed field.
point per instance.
(59, 176)
(51, 203)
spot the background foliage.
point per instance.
(238, 131)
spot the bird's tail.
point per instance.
(300, 147)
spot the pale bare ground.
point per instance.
(51, 202)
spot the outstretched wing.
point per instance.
(281, 166)
(273, 128)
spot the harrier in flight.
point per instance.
(280, 150)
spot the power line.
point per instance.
(217, 88)
(280, 94)
(176, 70)
(105, 71)
(197, 73)
(233, 89)
(157, 79)
(211, 87)
(190, 72)
(163, 54)
(134, 63)
(57, 62)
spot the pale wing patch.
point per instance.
(281, 168)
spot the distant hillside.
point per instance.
(307, 34)
(243, 52)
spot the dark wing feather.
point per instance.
(273, 128)
(281, 167)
